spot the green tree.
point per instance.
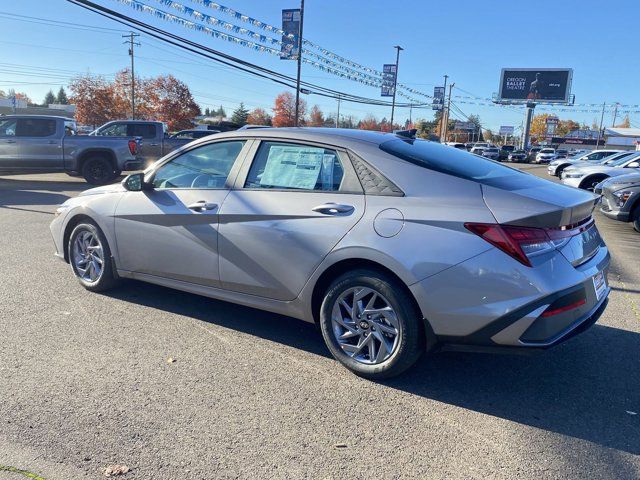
(207, 112)
(220, 112)
(49, 98)
(62, 98)
(240, 115)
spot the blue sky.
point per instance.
(468, 40)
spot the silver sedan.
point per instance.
(394, 246)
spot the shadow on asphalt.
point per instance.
(583, 388)
(20, 191)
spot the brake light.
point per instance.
(522, 242)
(566, 308)
(133, 147)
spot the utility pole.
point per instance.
(442, 114)
(604, 104)
(131, 41)
(446, 119)
(296, 119)
(395, 83)
(615, 114)
(410, 114)
(338, 115)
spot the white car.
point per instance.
(546, 155)
(491, 152)
(556, 167)
(588, 177)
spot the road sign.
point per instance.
(291, 32)
(438, 98)
(388, 79)
(506, 130)
(464, 126)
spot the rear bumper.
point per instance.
(492, 301)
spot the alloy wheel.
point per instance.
(88, 256)
(365, 325)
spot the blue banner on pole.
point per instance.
(388, 79)
(438, 98)
(290, 48)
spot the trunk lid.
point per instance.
(562, 211)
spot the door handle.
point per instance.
(202, 206)
(333, 209)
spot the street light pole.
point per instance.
(604, 104)
(296, 119)
(338, 114)
(395, 83)
(131, 36)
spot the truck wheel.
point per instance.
(98, 171)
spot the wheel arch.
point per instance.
(596, 176)
(97, 152)
(71, 224)
(345, 265)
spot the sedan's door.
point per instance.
(290, 206)
(40, 143)
(9, 151)
(171, 231)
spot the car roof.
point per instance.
(342, 136)
(45, 117)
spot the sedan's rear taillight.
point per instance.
(523, 242)
(133, 147)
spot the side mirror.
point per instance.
(135, 183)
(634, 165)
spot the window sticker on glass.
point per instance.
(293, 167)
(328, 160)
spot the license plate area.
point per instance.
(599, 284)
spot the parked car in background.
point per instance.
(621, 198)
(194, 134)
(468, 146)
(505, 150)
(587, 177)
(557, 166)
(532, 152)
(518, 156)
(478, 150)
(545, 155)
(491, 152)
(46, 144)
(562, 153)
(155, 141)
(341, 241)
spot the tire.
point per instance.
(98, 171)
(559, 170)
(85, 258)
(589, 183)
(635, 218)
(357, 334)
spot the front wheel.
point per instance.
(90, 258)
(635, 219)
(371, 325)
(590, 183)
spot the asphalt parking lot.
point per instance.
(85, 382)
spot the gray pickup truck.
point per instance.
(155, 141)
(45, 144)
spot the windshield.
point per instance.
(450, 161)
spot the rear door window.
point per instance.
(290, 166)
(36, 127)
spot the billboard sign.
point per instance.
(290, 47)
(438, 98)
(464, 126)
(388, 79)
(525, 85)
(506, 130)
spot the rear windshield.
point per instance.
(450, 161)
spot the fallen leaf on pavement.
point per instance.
(113, 470)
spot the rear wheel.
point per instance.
(371, 325)
(90, 258)
(98, 171)
(591, 182)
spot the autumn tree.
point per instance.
(94, 100)
(144, 96)
(369, 123)
(259, 117)
(62, 98)
(171, 102)
(240, 115)
(49, 98)
(626, 122)
(539, 125)
(316, 118)
(284, 110)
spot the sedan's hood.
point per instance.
(115, 188)
(612, 184)
(589, 169)
(534, 202)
